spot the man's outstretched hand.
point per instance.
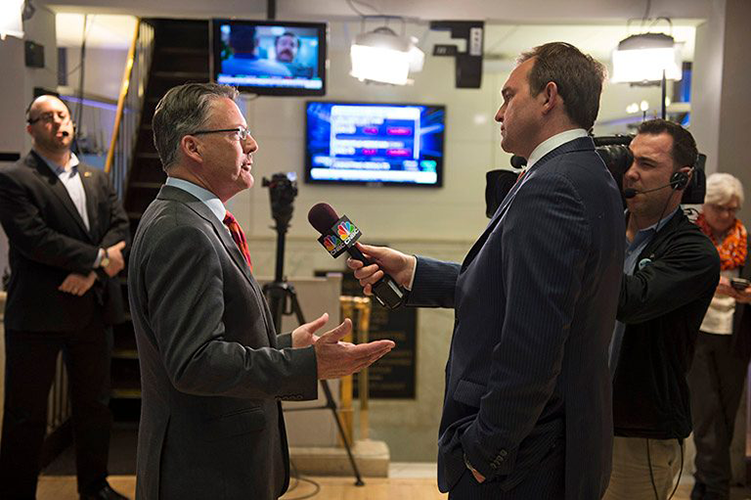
(338, 359)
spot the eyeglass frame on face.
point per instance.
(242, 132)
(720, 208)
(49, 117)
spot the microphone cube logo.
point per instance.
(332, 244)
(347, 231)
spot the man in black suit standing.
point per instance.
(66, 231)
(527, 411)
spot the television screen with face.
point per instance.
(270, 57)
(374, 143)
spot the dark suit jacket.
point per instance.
(48, 241)
(742, 317)
(212, 370)
(535, 303)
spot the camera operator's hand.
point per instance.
(338, 359)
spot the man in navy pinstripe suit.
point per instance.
(527, 410)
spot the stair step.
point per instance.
(125, 393)
(182, 51)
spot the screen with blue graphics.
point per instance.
(375, 143)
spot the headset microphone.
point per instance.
(679, 180)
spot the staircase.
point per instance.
(180, 55)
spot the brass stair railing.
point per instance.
(129, 106)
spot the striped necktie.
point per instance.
(238, 236)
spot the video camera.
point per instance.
(617, 156)
(282, 192)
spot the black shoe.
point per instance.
(700, 489)
(106, 493)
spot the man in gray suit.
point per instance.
(527, 411)
(213, 370)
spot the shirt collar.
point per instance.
(551, 143)
(59, 169)
(207, 197)
(645, 233)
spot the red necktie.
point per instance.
(521, 175)
(238, 236)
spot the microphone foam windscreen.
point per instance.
(322, 217)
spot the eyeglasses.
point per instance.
(242, 132)
(49, 117)
(720, 208)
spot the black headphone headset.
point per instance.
(679, 179)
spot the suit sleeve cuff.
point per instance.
(98, 260)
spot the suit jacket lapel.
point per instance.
(92, 201)
(179, 195)
(493, 223)
(57, 187)
(580, 144)
(176, 194)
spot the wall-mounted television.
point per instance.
(374, 143)
(270, 57)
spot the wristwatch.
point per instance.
(105, 259)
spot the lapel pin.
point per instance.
(87, 174)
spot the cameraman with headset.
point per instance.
(671, 271)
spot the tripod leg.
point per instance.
(332, 406)
(330, 403)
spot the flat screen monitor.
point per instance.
(270, 57)
(374, 143)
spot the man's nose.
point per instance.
(250, 145)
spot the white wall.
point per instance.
(17, 89)
(442, 223)
(103, 71)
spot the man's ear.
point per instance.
(550, 95)
(191, 148)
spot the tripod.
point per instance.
(282, 297)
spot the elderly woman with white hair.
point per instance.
(724, 344)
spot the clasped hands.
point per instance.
(335, 358)
(78, 284)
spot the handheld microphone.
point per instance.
(338, 235)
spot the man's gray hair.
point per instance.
(183, 110)
(722, 188)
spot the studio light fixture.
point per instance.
(10, 18)
(642, 59)
(382, 56)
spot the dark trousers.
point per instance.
(29, 371)
(716, 381)
(545, 482)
